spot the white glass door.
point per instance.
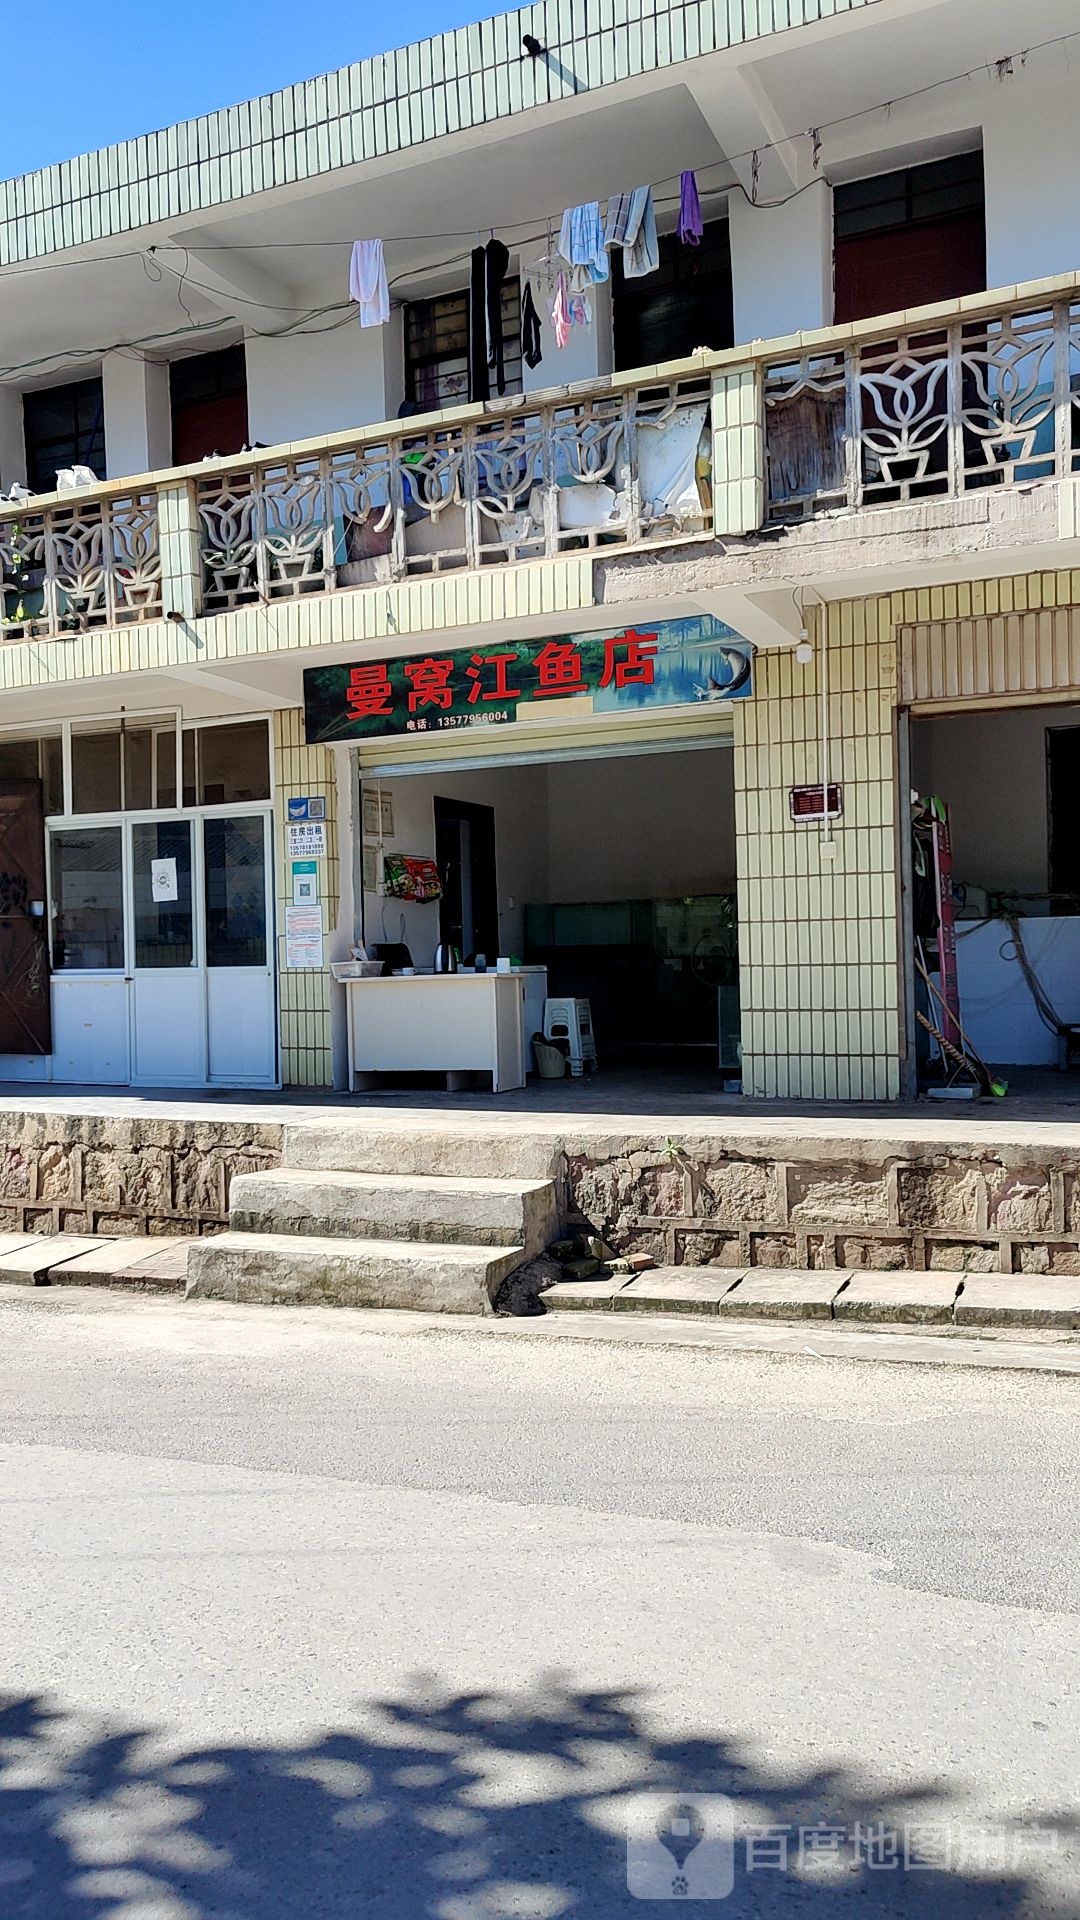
(240, 1001)
(90, 1012)
(168, 1012)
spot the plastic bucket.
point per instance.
(550, 1063)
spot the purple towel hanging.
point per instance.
(691, 225)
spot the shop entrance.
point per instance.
(142, 879)
(1010, 779)
(466, 858)
(162, 969)
(25, 1024)
(610, 876)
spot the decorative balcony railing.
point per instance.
(898, 411)
(991, 400)
(614, 468)
(92, 562)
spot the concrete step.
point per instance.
(468, 1149)
(324, 1270)
(474, 1212)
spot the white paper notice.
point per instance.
(303, 937)
(307, 840)
(163, 885)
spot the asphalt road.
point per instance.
(328, 1616)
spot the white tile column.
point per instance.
(181, 567)
(138, 419)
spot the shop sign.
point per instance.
(666, 663)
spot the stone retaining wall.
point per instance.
(961, 1206)
(971, 1211)
(90, 1173)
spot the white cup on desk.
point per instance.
(503, 964)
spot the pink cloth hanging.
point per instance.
(560, 313)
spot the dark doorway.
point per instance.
(25, 1014)
(686, 303)
(208, 393)
(1063, 792)
(465, 856)
(909, 238)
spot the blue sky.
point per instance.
(134, 65)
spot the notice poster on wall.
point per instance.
(163, 883)
(307, 840)
(305, 882)
(303, 937)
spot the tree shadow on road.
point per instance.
(437, 1806)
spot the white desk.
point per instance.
(452, 1023)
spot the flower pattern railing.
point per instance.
(604, 470)
(987, 402)
(88, 563)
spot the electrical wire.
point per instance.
(1044, 1007)
(1003, 67)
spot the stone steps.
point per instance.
(911, 1299)
(382, 1235)
(460, 1151)
(467, 1211)
(329, 1270)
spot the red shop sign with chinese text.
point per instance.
(667, 663)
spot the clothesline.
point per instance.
(585, 245)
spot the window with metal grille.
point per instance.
(939, 190)
(686, 303)
(437, 347)
(64, 427)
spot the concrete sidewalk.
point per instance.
(943, 1300)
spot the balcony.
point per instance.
(92, 559)
(945, 403)
(981, 393)
(624, 465)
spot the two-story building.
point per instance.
(612, 454)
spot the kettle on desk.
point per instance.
(447, 958)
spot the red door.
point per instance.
(25, 1013)
(910, 266)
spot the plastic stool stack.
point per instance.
(570, 1021)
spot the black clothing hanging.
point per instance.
(479, 384)
(487, 271)
(496, 262)
(530, 329)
